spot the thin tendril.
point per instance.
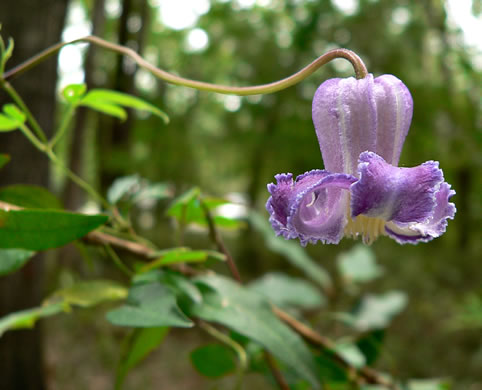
(357, 63)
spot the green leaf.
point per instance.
(29, 196)
(358, 265)
(27, 318)
(370, 344)
(175, 209)
(155, 191)
(104, 96)
(90, 293)
(140, 344)
(187, 209)
(106, 108)
(182, 255)
(137, 189)
(39, 230)
(213, 360)
(329, 370)
(74, 92)
(149, 305)
(376, 311)
(249, 314)
(179, 284)
(286, 291)
(290, 250)
(12, 118)
(121, 187)
(8, 124)
(4, 159)
(12, 111)
(428, 384)
(12, 260)
(351, 354)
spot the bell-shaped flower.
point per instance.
(361, 126)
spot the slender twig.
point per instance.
(117, 261)
(216, 238)
(278, 377)
(100, 238)
(317, 340)
(276, 86)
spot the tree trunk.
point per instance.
(34, 25)
(124, 79)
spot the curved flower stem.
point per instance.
(19, 101)
(357, 63)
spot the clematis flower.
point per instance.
(361, 126)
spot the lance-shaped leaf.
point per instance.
(39, 229)
(29, 196)
(136, 348)
(249, 314)
(286, 291)
(182, 255)
(110, 102)
(27, 318)
(149, 305)
(90, 293)
(12, 260)
(12, 118)
(188, 209)
(213, 360)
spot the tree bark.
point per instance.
(34, 25)
(123, 81)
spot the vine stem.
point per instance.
(17, 99)
(118, 262)
(78, 180)
(216, 238)
(355, 60)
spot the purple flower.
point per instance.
(361, 126)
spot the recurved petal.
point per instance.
(434, 227)
(413, 201)
(312, 208)
(403, 195)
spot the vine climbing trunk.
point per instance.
(34, 25)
